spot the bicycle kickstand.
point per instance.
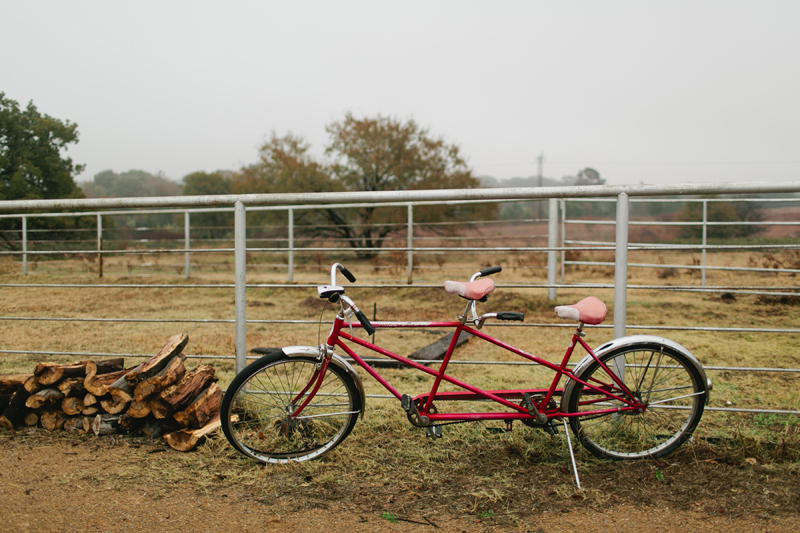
(572, 455)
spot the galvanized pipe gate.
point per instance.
(290, 202)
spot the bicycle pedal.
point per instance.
(406, 403)
(538, 417)
(433, 432)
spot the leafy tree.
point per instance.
(369, 154)
(32, 167)
(720, 212)
(130, 184)
(589, 176)
(209, 225)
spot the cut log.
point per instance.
(43, 398)
(30, 419)
(171, 373)
(139, 409)
(53, 420)
(9, 383)
(202, 409)
(72, 405)
(155, 364)
(105, 425)
(74, 423)
(177, 397)
(4, 401)
(97, 382)
(153, 428)
(89, 399)
(129, 424)
(90, 411)
(186, 439)
(16, 410)
(32, 384)
(120, 394)
(71, 386)
(114, 404)
(50, 373)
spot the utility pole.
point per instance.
(540, 159)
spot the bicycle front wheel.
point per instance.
(257, 408)
(664, 379)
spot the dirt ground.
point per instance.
(107, 484)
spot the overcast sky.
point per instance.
(651, 92)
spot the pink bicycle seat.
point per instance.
(590, 310)
(474, 290)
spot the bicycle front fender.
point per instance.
(646, 341)
(298, 351)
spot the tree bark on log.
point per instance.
(186, 439)
(9, 383)
(178, 396)
(202, 409)
(155, 364)
(53, 420)
(16, 410)
(171, 373)
(43, 398)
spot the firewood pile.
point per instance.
(159, 397)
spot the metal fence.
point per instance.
(557, 198)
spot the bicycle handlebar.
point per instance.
(491, 270)
(368, 327)
(349, 275)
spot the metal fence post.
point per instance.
(705, 233)
(187, 239)
(621, 267)
(621, 279)
(563, 238)
(291, 245)
(410, 244)
(99, 245)
(240, 284)
(24, 246)
(552, 242)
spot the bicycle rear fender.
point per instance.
(298, 351)
(649, 341)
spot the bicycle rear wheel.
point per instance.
(664, 379)
(257, 407)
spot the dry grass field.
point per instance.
(737, 464)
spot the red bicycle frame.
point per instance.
(614, 390)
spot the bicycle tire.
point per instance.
(256, 410)
(674, 405)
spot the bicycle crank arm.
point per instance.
(539, 418)
(410, 408)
